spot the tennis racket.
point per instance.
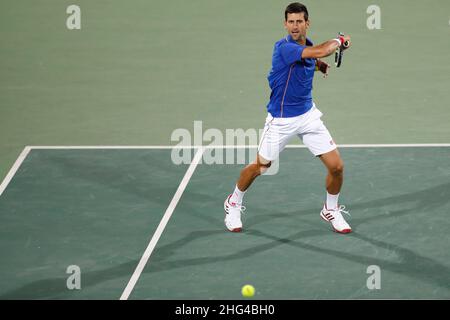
(340, 52)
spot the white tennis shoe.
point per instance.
(233, 215)
(336, 219)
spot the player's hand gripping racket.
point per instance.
(340, 51)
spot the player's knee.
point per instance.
(337, 170)
(264, 167)
(254, 170)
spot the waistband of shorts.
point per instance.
(296, 118)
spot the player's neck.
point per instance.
(302, 41)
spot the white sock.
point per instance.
(237, 196)
(332, 201)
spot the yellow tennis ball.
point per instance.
(248, 291)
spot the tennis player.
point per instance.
(292, 112)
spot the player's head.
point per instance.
(296, 20)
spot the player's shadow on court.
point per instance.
(410, 264)
(55, 288)
(439, 195)
(419, 202)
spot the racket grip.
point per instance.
(346, 44)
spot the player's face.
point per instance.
(296, 26)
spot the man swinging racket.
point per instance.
(292, 112)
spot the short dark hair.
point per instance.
(296, 7)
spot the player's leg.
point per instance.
(268, 150)
(331, 210)
(273, 141)
(233, 204)
(248, 175)
(319, 141)
(335, 177)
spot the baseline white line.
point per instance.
(105, 147)
(393, 145)
(14, 169)
(140, 147)
(162, 225)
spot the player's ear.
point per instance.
(308, 23)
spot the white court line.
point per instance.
(14, 169)
(162, 225)
(398, 145)
(27, 149)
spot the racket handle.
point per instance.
(346, 44)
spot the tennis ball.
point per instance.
(248, 291)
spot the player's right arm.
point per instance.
(324, 49)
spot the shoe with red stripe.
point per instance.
(336, 219)
(233, 215)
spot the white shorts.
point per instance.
(308, 127)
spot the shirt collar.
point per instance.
(289, 39)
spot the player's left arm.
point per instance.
(323, 67)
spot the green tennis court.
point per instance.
(98, 208)
(103, 193)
